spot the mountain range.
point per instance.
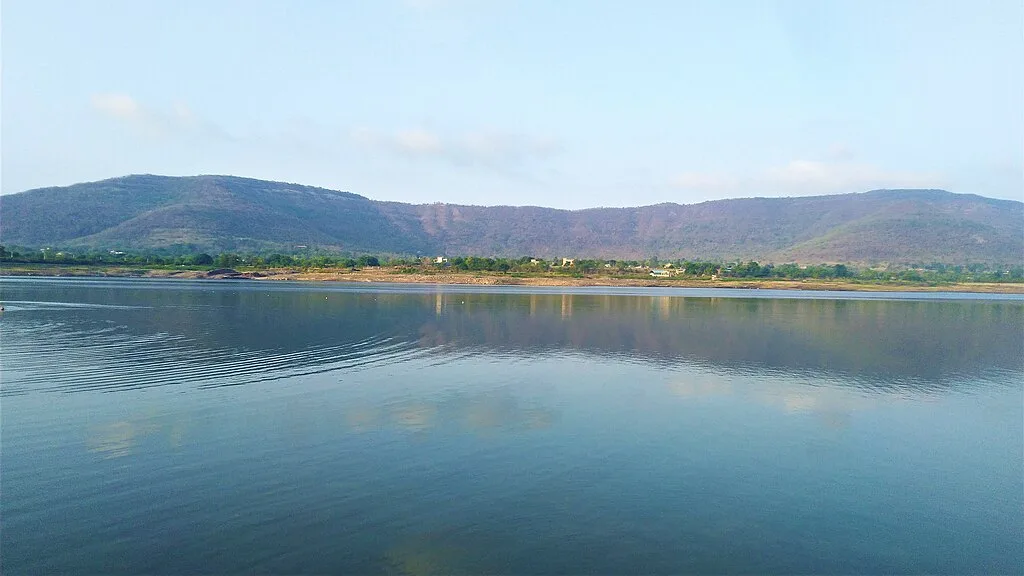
(227, 213)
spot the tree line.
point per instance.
(918, 272)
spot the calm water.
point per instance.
(219, 427)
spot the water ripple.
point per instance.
(47, 358)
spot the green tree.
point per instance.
(228, 260)
(279, 260)
(202, 259)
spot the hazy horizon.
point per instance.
(566, 105)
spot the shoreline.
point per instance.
(498, 279)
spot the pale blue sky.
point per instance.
(566, 103)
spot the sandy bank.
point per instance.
(497, 279)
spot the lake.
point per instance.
(223, 427)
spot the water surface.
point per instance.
(224, 427)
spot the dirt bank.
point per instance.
(497, 279)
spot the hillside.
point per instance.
(224, 213)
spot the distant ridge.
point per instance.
(227, 213)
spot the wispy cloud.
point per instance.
(806, 177)
(117, 105)
(505, 153)
(422, 5)
(490, 149)
(418, 142)
(449, 6)
(179, 120)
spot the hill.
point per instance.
(225, 213)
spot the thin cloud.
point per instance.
(423, 5)
(427, 6)
(490, 149)
(418, 142)
(179, 120)
(504, 153)
(804, 178)
(117, 105)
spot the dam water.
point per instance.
(172, 427)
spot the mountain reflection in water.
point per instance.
(235, 337)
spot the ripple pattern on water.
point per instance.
(50, 358)
(102, 336)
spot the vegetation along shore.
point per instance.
(523, 271)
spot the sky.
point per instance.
(567, 103)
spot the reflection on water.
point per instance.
(122, 437)
(117, 439)
(832, 404)
(175, 427)
(426, 554)
(228, 337)
(478, 413)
